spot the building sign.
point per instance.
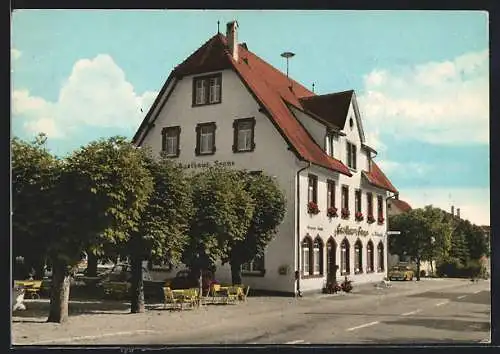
(346, 230)
(206, 164)
(378, 234)
(319, 228)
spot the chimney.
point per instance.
(232, 38)
(458, 213)
(452, 210)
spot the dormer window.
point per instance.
(207, 90)
(351, 155)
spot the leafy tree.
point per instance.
(222, 216)
(419, 228)
(33, 169)
(270, 204)
(477, 242)
(162, 233)
(98, 199)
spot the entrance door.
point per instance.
(331, 251)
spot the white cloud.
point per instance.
(96, 94)
(438, 102)
(404, 169)
(474, 203)
(15, 54)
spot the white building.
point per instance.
(225, 105)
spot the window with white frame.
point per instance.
(318, 256)
(312, 191)
(358, 257)
(357, 201)
(369, 256)
(345, 197)
(244, 130)
(330, 194)
(254, 266)
(351, 155)
(380, 257)
(170, 141)
(329, 141)
(207, 89)
(205, 142)
(344, 257)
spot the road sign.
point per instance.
(393, 232)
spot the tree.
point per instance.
(418, 228)
(162, 232)
(33, 170)
(222, 215)
(270, 204)
(99, 195)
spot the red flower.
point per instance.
(358, 216)
(312, 208)
(332, 212)
(345, 213)
(380, 219)
(370, 219)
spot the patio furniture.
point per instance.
(31, 287)
(233, 293)
(170, 299)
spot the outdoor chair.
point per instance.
(170, 299)
(190, 297)
(232, 294)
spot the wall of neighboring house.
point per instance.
(271, 155)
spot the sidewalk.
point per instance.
(97, 319)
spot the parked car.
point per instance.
(118, 281)
(185, 280)
(401, 272)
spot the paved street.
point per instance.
(432, 311)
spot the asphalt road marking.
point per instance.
(363, 326)
(477, 292)
(295, 341)
(442, 303)
(461, 297)
(68, 339)
(411, 313)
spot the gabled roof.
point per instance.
(332, 107)
(401, 205)
(377, 178)
(271, 88)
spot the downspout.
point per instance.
(297, 272)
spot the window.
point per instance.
(369, 201)
(380, 257)
(207, 90)
(318, 256)
(170, 141)
(357, 201)
(380, 208)
(358, 257)
(344, 257)
(244, 135)
(306, 256)
(330, 194)
(345, 197)
(312, 190)
(351, 155)
(205, 139)
(369, 257)
(329, 144)
(254, 266)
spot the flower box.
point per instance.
(359, 216)
(370, 219)
(380, 220)
(345, 213)
(332, 212)
(312, 208)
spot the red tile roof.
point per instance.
(273, 90)
(401, 205)
(377, 178)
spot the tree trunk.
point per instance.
(200, 283)
(235, 273)
(59, 293)
(91, 265)
(137, 289)
(418, 269)
(432, 267)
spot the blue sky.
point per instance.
(421, 79)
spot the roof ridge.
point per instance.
(327, 94)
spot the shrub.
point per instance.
(448, 268)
